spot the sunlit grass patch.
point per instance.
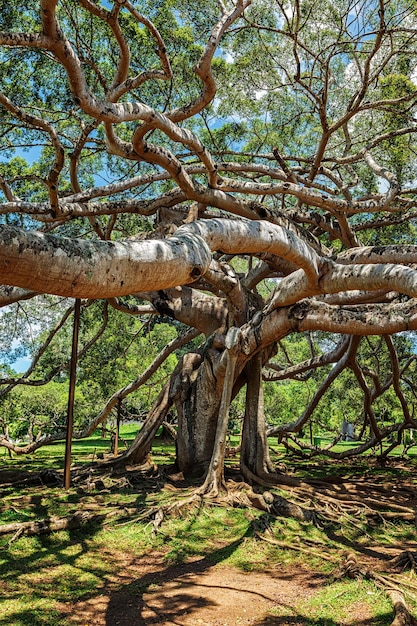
(344, 601)
(78, 564)
(205, 530)
(28, 610)
(64, 582)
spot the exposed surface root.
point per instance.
(333, 507)
(46, 526)
(402, 617)
(407, 560)
(289, 546)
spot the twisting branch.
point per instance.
(396, 379)
(317, 361)
(51, 179)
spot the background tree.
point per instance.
(245, 170)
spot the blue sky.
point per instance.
(21, 364)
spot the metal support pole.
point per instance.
(71, 394)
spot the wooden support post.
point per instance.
(116, 439)
(71, 394)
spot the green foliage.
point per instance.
(32, 411)
(285, 73)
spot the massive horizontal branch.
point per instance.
(235, 237)
(379, 319)
(200, 310)
(104, 269)
(98, 269)
(337, 278)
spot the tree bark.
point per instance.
(254, 454)
(215, 474)
(198, 409)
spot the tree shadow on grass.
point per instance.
(181, 591)
(299, 620)
(53, 566)
(175, 594)
(29, 575)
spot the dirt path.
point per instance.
(199, 594)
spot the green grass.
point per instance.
(345, 602)
(42, 574)
(83, 452)
(86, 451)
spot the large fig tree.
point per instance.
(244, 169)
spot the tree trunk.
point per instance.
(196, 392)
(139, 450)
(198, 410)
(215, 474)
(254, 453)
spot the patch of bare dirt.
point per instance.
(200, 593)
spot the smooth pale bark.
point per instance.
(245, 237)
(339, 278)
(285, 240)
(379, 254)
(98, 269)
(104, 269)
(215, 474)
(380, 319)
